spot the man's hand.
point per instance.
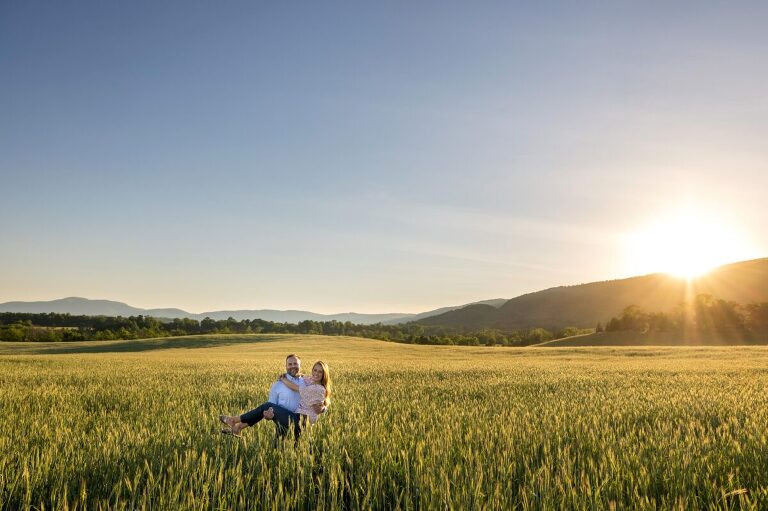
(269, 414)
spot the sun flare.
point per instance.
(686, 245)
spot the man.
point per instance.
(280, 407)
(287, 400)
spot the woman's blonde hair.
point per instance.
(325, 382)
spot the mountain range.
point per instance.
(87, 307)
(585, 305)
(582, 305)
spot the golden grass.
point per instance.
(133, 425)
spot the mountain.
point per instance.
(295, 316)
(585, 305)
(494, 302)
(83, 306)
(582, 305)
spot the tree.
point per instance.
(207, 325)
(717, 316)
(757, 319)
(537, 335)
(569, 331)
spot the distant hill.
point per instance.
(84, 306)
(296, 316)
(495, 302)
(585, 305)
(582, 305)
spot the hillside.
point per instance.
(585, 305)
(85, 307)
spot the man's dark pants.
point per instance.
(284, 419)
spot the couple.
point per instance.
(293, 400)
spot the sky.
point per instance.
(373, 156)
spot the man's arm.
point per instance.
(288, 383)
(273, 394)
(270, 413)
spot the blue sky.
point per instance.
(369, 156)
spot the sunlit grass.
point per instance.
(410, 426)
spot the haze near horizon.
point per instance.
(374, 157)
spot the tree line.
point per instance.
(59, 327)
(704, 317)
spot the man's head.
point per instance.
(292, 364)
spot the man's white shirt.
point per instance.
(283, 396)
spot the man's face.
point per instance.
(292, 366)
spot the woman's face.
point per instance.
(317, 373)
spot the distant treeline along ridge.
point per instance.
(55, 327)
(705, 316)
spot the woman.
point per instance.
(313, 391)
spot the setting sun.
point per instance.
(686, 245)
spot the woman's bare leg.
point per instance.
(237, 423)
(230, 420)
(238, 427)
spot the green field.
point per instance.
(131, 425)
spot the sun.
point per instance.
(686, 244)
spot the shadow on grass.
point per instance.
(134, 346)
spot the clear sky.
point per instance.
(372, 156)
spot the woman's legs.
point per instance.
(240, 422)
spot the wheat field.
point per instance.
(132, 425)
